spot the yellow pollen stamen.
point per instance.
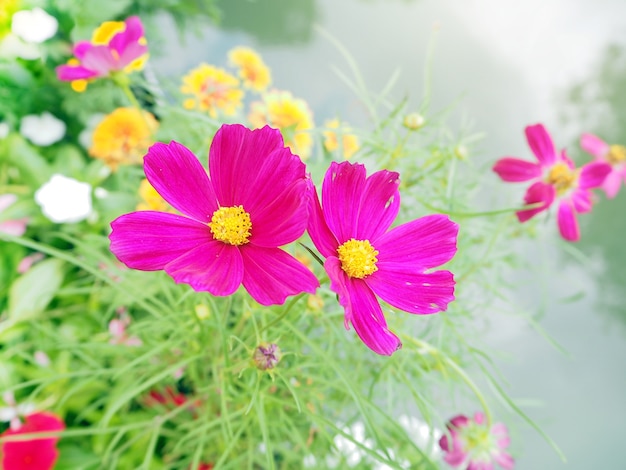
(617, 154)
(231, 225)
(358, 258)
(562, 177)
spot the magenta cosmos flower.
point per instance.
(116, 46)
(364, 260)
(35, 453)
(233, 222)
(475, 446)
(614, 155)
(554, 178)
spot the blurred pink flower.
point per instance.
(15, 227)
(35, 453)
(471, 444)
(554, 178)
(117, 328)
(115, 47)
(614, 155)
(365, 260)
(255, 201)
(27, 262)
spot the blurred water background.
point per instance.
(505, 64)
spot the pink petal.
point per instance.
(568, 225)
(412, 291)
(504, 460)
(421, 244)
(501, 433)
(592, 175)
(81, 48)
(100, 60)
(478, 465)
(15, 227)
(284, 219)
(479, 418)
(541, 144)
(180, 179)
(594, 145)
(68, 73)
(379, 205)
(213, 267)
(271, 275)
(236, 159)
(459, 421)
(342, 190)
(320, 234)
(538, 192)
(133, 31)
(362, 310)
(581, 198)
(515, 170)
(612, 183)
(130, 54)
(455, 458)
(148, 240)
(6, 201)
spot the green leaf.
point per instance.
(31, 293)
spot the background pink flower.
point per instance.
(614, 155)
(35, 453)
(474, 446)
(365, 260)
(255, 201)
(554, 178)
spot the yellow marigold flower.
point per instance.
(150, 199)
(123, 137)
(252, 70)
(292, 116)
(349, 142)
(212, 89)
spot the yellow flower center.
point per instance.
(617, 154)
(562, 177)
(358, 258)
(231, 225)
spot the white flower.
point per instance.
(348, 448)
(12, 413)
(34, 25)
(42, 130)
(64, 199)
(4, 130)
(12, 46)
(425, 437)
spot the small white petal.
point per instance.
(4, 130)
(34, 25)
(64, 199)
(42, 130)
(12, 46)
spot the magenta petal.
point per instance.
(566, 218)
(323, 239)
(67, 73)
(342, 190)
(213, 267)
(422, 244)
(515, 170)
(504, 460)
(100, 60)
(271, 275)
(180, 179)
(236, 157)
(81, 48)
(594, 145)
(538, 192)
(362, 310)
(148, 240)
(379, 205)
(285, 219)
(612, 184)
(541, 144)
(459, 421)
(130, 54)
(581, 198)
(133, 31)
(592, 175)
(412, 291)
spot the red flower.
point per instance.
(35, 453)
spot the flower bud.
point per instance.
(266, 356)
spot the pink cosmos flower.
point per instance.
(255, 200)
(554, 178)
(115, 46)
(614, 155)
(35, 453)
(117, 329)
(364, 260)
(474, 445)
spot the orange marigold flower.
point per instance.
(252, 70)
(123, 137)
(292, 116)
(336, 131)
(212, 89)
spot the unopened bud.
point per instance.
(414, 121)
(266, 356)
